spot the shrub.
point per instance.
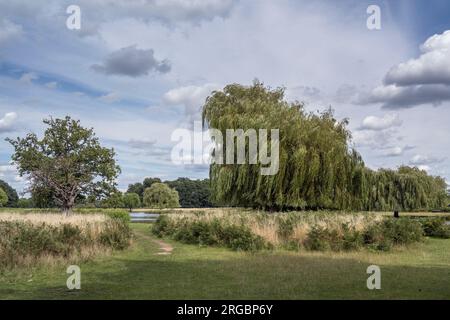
(435, 227)
(384, 234)
(211, 232)
(27, 241)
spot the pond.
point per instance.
(145, 217)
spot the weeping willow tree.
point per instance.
(317, 168)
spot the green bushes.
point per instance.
(319, 231)
(435, 227)
(26, 242)
(212, 232)
(389, 232)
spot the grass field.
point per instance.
(192, 272)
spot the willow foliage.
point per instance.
(317, 167)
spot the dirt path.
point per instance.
(164, 247)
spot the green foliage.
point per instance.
(116, 234)
(43, 197)
(3, 198)
(193, 193)
(21, 240)
(131, 200)
(115, 200)
(435, 227)
(68, 159)
(160, 196)
(211, 233)
(25, 203)
(148, 182)
(383, 235)
(11, 193)
(137, 188)
(317, 167)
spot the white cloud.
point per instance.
(28, 77)
(425, 80)
(191, 97)
(424, 167)
(376, 123)
(432, 67)
(419, 159)
(394, 152)
(6, 123)
(9, 30)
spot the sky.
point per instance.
(137, 70)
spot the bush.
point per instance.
(214, 232)
(342, 238)
(435, 227)
(22, 241)
(384, 234)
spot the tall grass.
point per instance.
(29, 239)
(296, 230)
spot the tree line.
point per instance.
(318, 168)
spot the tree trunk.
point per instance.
(68, 205)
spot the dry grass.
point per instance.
(272, 226)
(91, 229)
(55, 219)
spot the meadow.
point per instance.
(162, 268)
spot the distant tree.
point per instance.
(42, 196)
(12, 194)
(68, 159)
(193, 193)
(148, 182)
(131, 200)
(137, 188)
(160, 195)
(25, 203)
(115, 200)
(3, 198)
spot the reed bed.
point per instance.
(30, 239)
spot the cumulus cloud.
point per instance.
(381, 133)
(425, 80)
(6, 123)
(133, 62)
(9, 30)
(432, 67)
(381, 123)
(191, 97)
(419, 159)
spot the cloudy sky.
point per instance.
(139, 69)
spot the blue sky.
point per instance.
(138, 70)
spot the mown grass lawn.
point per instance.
(192, 272)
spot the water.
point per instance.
(447, 222)
(145, 217)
